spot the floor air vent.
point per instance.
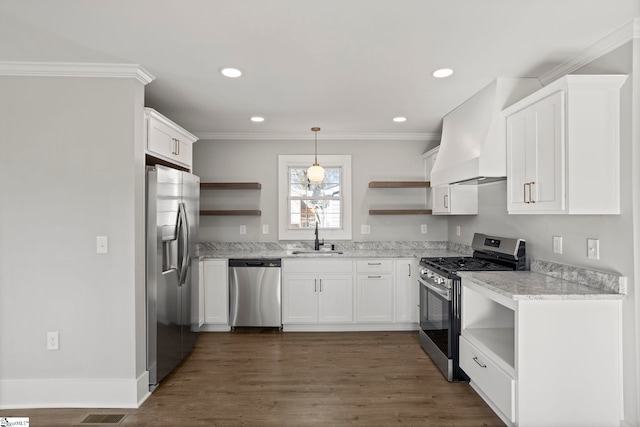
(102, 419)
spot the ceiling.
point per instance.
(347, 66)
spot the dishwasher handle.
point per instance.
(244, 262)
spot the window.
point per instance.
(303, 204)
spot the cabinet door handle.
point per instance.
(531, 198)
(320, 285)
(374, 263)
(409, 265)
(176, 146)
(446, 201)
(374, 277)
(524, 192)
(315, 285)
(482, 365)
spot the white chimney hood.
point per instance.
(473, 145)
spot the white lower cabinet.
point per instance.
(215, 285)
(497, 385)
(374, 290)
(317, 292)
(543, 362)
(349, 294)
(406, 291)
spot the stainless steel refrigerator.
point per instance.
(173, 203)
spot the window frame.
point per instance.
(285, 162)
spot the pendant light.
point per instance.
(315, 173)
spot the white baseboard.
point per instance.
(143, 388)
(211, 327)
(74, 393)
(350, 327)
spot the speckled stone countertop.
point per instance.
(399, 249)
(532, 285)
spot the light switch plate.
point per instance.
(102, 245)
(243, 229)
(365, 229)
(457, 230)
(265, 228)
(557, 244)
(593, 248)
(423, 228)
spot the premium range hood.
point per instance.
(473, 147)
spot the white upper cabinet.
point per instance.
(168, 141)
(563, 148)
(456, 199)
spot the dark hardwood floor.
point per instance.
(266, 378)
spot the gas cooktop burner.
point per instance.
(453, 264)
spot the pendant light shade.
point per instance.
(315, 173)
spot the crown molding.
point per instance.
(73, 69)
(612, 41)
(373, 136)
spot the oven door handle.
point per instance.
(444, 293)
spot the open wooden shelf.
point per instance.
(230, 186)
(399, 184)
(400, 212)
(231, 212)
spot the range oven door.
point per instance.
(436, 311)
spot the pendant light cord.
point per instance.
(316, 147)
(315, 132)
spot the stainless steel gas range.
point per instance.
(440, 288)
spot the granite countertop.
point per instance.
(354, 253)
(347, 250)
(531, 285)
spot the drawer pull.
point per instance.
(374, 263)
(374, 277)
(482, 365)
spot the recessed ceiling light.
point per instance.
(230, 72)
(257, 119)
(399, 119)
(443, 72)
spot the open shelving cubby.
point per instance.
(230, 186)
(399, 184)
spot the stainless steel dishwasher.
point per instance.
(255, 292)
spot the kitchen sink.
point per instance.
(312, 252)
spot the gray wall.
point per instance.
(71, 169)
(258, 161)
(615, 232)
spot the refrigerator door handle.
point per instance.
(183, 235)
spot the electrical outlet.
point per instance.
(243, 229)
(53, 340)
(557, 244)
(265, 228)
(423, 228)
(102, 244)
(365, 229)
(593, 248)
(457, 230)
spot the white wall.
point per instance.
(615, 232)
(258, 161)
(71, 169)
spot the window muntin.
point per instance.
(333, 198)
(310, 202)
